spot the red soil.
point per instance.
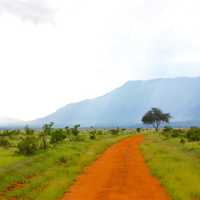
(119, 174)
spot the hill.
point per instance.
(126, 105)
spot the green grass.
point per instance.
(47, 175)
(7, 158)
(176, 165)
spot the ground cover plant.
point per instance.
(173, 157)
(42, 164)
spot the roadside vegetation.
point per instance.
(173, 157)
(42, 164)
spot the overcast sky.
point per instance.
(60, 51)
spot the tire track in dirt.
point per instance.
(120, 173)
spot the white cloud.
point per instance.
(36, 11)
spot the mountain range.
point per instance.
(126, 105)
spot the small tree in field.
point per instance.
(156, 117)
(47, 129)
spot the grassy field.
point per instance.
(175, 163)
(47, 174)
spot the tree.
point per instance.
(156, 117)
(75, 130)
(47, 129)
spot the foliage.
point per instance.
(193, 134)
(138, 130)
(115, 131)
(9, 132)
(177, 133)
(156, 117)
(182, 141)
(75, 130)
(47, 129)
(4, 142)
(167, 129)
(57, 136)
(28, 131)
(169, 132)
(93, 134)
(47, 174)
(28, 145)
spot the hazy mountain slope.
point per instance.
(127, 104)
(10, 122)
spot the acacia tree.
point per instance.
(156, 117)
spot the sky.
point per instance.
(56, 52)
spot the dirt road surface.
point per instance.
(120, 173)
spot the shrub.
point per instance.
(167, 129)
(57, 136)
(67, 132)
(93, 134)
(115, 131)
(170, 132)
(75, 130)
(182, 141)
(27, 145)
(47, 129)
(4, 142)
(28, 131)
(193, 134)
(175, 133)
(138, 130)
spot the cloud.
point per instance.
(94, 47)
(36, 11)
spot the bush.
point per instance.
(182, 141)
(193, 134)
(115, 131)
(57, 136)
(138, 130)
(170, 132)
(27, 145)
(92, 134)
(175, 133)
(28, 131)
(4, 142)
(75, 130)
(167, 129)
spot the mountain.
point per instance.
(7, 122)
(126, 105)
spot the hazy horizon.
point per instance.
(10, 119)
(57, 52)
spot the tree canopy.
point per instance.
(156, 117)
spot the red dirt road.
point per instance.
(119, 174)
